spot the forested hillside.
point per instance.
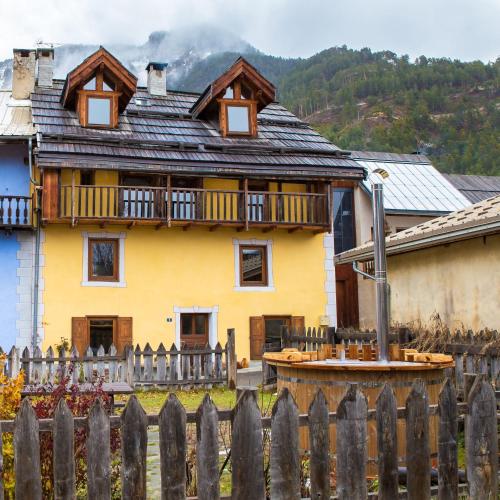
(449, 110)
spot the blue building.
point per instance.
(18, 235)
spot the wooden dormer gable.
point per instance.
(99, 89)
(235, 98)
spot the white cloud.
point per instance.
(465, 29)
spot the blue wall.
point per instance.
(14, 180)
(8, 285)
(14, 174)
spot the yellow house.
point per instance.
(171, 216)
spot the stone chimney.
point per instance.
(45, 59)
(23, 73)
(157, 78)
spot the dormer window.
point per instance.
(98, 102)
(238, 111)
(235, 98)
(98, 90)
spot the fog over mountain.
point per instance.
(181, 49)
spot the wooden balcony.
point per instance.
(16, 212)
(191, 207)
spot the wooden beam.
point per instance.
(245, 203)
(131, 224)
(169, 200)
(102, 225)
(186, 226)
(270, 228)
(296, 228)
(160, 225)
(214, 227)
(72, 197)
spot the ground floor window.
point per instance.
(194, 329)
(101, 332)
(94, 331)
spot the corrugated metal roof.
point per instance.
(161, 130)
(476, 219)
(15, 116)
(476, 187)
(413, 185)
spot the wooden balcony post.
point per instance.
(169, 200)
(245, 204)
(72, 197)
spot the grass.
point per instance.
(224, 399)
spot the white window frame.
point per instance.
(121, 260)
(269, 257)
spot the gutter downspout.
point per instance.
(36, 270)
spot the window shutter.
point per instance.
(257, 336)
(80, 334)
(298, 323)
(123, 335)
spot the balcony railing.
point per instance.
(15, 211)
(204, 206)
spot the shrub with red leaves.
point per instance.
(79, 403)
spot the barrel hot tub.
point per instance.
(332, 376)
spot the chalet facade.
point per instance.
(172, 216)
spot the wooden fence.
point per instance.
(139, 367)
(249, 449)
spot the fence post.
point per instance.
(447, 443)
(351, 449)
(172, 437)
(128, 368)
(207, 450)
(13, 363)
(418, 480)
(161, 363)
(246, 449)
(63, 449)
(387, 444)
(27, 453)
(319, 439)
(134, 434)
(231, 359)
(285, 462)
(459, 372)
(148, 362)
(98, 453)
(482, 441)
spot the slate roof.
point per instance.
(159, 134)
(480, 219)
(476, 187)
(15, 116)
(414, 186)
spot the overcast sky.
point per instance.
(464, 29)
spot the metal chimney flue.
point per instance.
(382, 298)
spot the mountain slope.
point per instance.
(447, 109)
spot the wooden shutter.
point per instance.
(298, 323)
(257, 336)
(50, 195)
(80, 334)
(123, 334)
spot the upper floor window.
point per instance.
(98, 102)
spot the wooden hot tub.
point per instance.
(332, 376)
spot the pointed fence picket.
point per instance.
(186, 367)
(247, 447)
